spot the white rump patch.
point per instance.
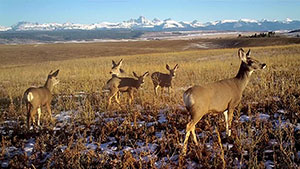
(188, 99)
(29, 96)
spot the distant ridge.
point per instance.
(145, 24)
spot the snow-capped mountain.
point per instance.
(2, 28)
(143, 23)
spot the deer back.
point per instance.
(127, 83)
(38, 96)
(161, 79)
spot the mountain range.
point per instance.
(145, 24)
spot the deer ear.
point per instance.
(146, 74)
(176, 67)
(135, 75)
(120, 62)
(113, 63)
(242, 55)
(248, 54)
(168, 67)
(55, 73)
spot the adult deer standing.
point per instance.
(163, 80)
(124, 84)
(220, 96)
(36, 97)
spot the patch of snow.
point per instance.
(244, 118)
(29, 146)
(229, 21)
(4, 164)
(269, 164)
(64, 116)
(263, 116)
(162, 118)
(268, 151)
(273, 142)
(228, 146)
(282, 111)
(249, 20)
(297, 128)
(159, 135)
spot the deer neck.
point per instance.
(243, 76)
(137, 85)
(49, 85)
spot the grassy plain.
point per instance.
(149, 133)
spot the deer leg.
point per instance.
(28, 115)
(226, 121)
(32, 113)
(187, 135)
(169, 90)
(49, 111)
(189, 127)
(194, 135)
(117, 96)
(39, 110)
(130, 96)
(230, 116)
(162, 91)
(110, 96)
(155, 89)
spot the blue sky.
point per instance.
(95, 11)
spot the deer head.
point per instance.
(116, 68)
(172, 71)
(141, 80)
(250, 63)
(52, 79)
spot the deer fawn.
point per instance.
(163, 80)
(124, 84)
(220, 96)
(36, 97)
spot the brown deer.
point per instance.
(115, 72)
(220, 96)
(163, 80)
(124, 84)
(36, 97)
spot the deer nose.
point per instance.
(263, 66)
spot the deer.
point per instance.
(124, 84)
(37, 97)
(221, 96)
(115, 72)
(163, 80)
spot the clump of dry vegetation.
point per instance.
(150, 132)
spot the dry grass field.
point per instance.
(150, 132)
